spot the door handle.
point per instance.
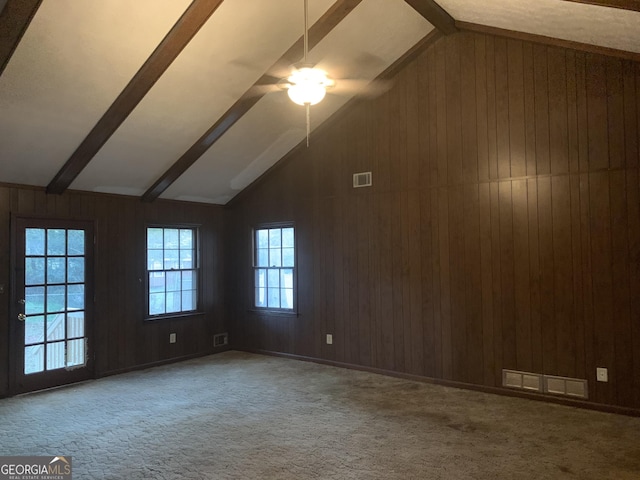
(21, 301)
(22, 317)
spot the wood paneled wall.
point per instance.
(502, 229)
(122, 339)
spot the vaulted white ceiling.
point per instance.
(76, 57)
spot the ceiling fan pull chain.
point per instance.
(308, 121)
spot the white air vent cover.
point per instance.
(220, 340)
(572, 387)
(523, 380)
(362, 179)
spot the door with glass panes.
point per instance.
(52, 303)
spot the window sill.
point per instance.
(274, 313)
(173, 316)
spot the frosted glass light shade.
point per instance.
(308, 86)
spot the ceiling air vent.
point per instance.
(362, 179)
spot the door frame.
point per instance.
(62, 376)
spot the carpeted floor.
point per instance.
(243, 416)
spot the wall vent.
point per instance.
(572, 387)
(522, 380)
(362, 179)
(535, 382)
(220, 339)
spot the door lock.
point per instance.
(21, 301)
(22, 317)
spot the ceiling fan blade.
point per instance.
(360, 87)
(262, 89)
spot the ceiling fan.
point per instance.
(307, 85)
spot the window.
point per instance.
(172, 270)
(274, 268)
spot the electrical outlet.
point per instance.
(329, 339)
(602, 375)
(172, 338)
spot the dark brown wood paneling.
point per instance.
(494, 233)
(521, 276)
(563, 276)
(515, 77)
(541, 101)
(558, 138)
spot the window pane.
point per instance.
(75, 352)
(286, 298)
(154, 238)
(75, 325)
(273, 278)
(34, 271)
(287, 237)
(171, 259)
(55, 355)
(34, 300)
(156, 303)
(34, 241)
(55, 327)
(56, 270)
(155, 260)
(262, 238)
(186, 258)
(189, 280)
(56, 242)
(263, 257)
(173, 282)
(75, 270)
(288, 256)
(33, 359)
(261, 297)
(55, 299)
(188, 300)
(156, 282)
(171, 238)
(173, 302)
(286, 278)
(275, 237)
(34, 330)
(186, 239)
(274, 257)
(273, 297)
(75, 242)
(75, 297)
(261, 277)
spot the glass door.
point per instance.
(53, 297)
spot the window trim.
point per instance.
(253, 308)
(198, 262)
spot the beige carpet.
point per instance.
(243, 416)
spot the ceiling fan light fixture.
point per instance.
(308, 86)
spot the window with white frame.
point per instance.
(274, 268)
(172, 270)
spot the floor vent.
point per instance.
(536, 382)
(220, 339)
(522, 380)
(362, 179)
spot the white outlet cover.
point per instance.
(602, 375)
(329, 339)
(172, 338)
